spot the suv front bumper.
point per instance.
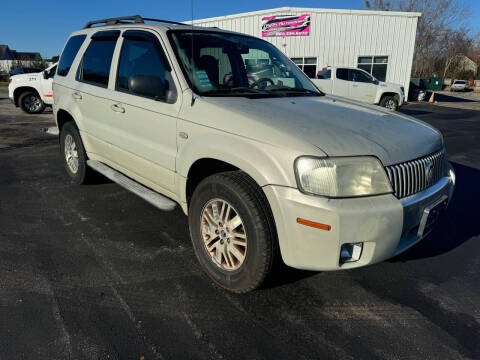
(384, 224)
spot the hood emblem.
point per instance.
(429, 171)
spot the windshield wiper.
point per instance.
(235, 90)
(299, 90)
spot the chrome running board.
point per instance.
(154, 198)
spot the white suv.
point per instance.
(459, 85)
(32, 92)
(263, 168)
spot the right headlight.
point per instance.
(342, 176)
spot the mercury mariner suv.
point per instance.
(262, 169)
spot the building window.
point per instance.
(374, 65)
(308, 65)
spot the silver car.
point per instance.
(263, 169)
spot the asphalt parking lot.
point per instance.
(94, 272)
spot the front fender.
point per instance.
(265, 163)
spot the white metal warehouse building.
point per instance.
(380, 42)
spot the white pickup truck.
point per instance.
(359, 85)
(32, 92)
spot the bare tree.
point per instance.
(454, 45)
(439, 18)
(378, 5)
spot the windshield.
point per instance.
(223, 64)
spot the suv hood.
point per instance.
(25, 76)
(389, 85)
(336, 126)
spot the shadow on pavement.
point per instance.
(460, 223)
(413, 112)
(447, 98)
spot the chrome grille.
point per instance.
(411, 177)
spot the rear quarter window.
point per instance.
(69, 53)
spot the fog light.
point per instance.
(350, 252)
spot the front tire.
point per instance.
(74, 156)
(389, 102)
(232, 231)
(31, 103)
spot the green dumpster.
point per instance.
(429, 83)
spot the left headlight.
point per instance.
(342, 176)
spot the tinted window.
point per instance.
(360, 76)
(97, 59)
(324, 74)
(342, 74)
(69, 53)
(142, 62)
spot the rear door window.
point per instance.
(97, 60)
(69, 53)
(342, 74)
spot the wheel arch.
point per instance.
(264, 165)
(20, 90)
(62, 117)
(201, 169)
(394, 94)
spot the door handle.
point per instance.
(77, 95)
(117, 108)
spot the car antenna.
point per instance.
(191, 53)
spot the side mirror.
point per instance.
(376, 82)
(147, 85)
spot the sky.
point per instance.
(44, 26)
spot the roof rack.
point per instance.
(135, 19)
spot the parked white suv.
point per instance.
(357, 84)
(257, 166)
(32, 92)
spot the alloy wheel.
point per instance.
(391, 105)
(32, 103)
(71, 153)
(223, 234)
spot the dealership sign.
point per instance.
(286, 25)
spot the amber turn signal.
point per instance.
(314, 224)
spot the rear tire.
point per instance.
(235, 245)
(389, 102)
(31, 103)
(74, 155)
